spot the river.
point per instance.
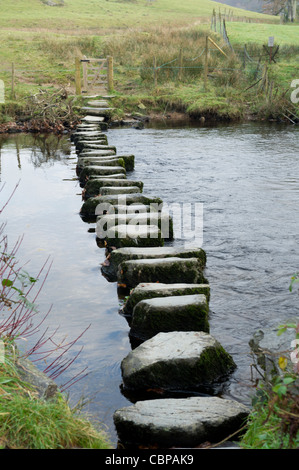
(245, 176)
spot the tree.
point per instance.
(286, 7)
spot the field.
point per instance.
(41, 43)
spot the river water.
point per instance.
(246, 179)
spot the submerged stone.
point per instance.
(176, 361)
(165, 270)
(184, 422)
(152, 290)
(127, 254)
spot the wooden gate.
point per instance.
(97, 75)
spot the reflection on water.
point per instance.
(247, 178)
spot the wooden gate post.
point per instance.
(206, 64)
(110, 73)
(78, 75)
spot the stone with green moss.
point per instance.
(162, 221)
(174, 313)
(165, 270)
(128, 161)
(152, 290)
(98, 205)
(82, 144)
(93, 186)
(178, 360)
(98, 170)
(126, 235)
(127, 254)
(179, 422)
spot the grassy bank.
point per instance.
(41, 43)
(28, 421)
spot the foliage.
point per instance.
(27, 421)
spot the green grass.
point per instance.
(29, 422)
(43, 42)
(257, 33)
(96, 16)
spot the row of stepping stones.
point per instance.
(173, 355)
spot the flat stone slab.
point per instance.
(99, 205)
(125, 235)
(165, 314)
(121, 176)
(119, 190)
(127, 254)
(92, 157)
(184, 422)
(102, 112)
(165, 270)
(93, 187)
(108, 160)
(176, 361)
(162, 221)
(88, 171)
(98, 103)
(152, 290)
(93, 118)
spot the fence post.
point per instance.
(85, 80)
(180, 64)
(110, 73)
(12, 94)
(155, 71)
(78, 76)
(206, 64)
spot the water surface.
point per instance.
(247, 178)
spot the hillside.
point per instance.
(39, 44)
(95, 16)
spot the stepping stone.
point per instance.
(95, 206)
(153, 290)
(129, 160)
(93, 186)
(109, 161)
(115, 176)
(81, 144)
(176, 361)
(127, 254)
(97, 119)
(87, 135)
(107, 168)
(165, 270)
(98, 104)
(161, 221)
(102, 112)
(165, 314)
(182, 423)
(119, 190)
(95, 148)
(126, 235)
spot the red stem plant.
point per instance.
(18, 312)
